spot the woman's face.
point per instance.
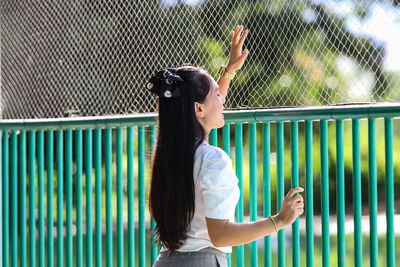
(209, 113)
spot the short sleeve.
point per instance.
(219, 185)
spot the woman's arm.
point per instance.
(236, 57)
(224, 233)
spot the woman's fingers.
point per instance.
(239, 30)
(236, 36)
(237, 57)
(294, 191)
(298, 205)
(300, 212)
(292, 206)
(297, 198)
(241, 40)
(233, 37)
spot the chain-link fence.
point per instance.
(88, 58)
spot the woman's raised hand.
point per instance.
(236, 55)
(292, 206)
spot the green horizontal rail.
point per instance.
(36, 171)
(281, 114)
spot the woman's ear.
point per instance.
(198, 110)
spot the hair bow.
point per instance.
(165, 84)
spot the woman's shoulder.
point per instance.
(212, 153)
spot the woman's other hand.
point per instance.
(236, 55)
(292, 207)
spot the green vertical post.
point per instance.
(389, 184)
(309, 194)
(373, 193)
(98, 177)
(267, 188)
(239, 174)
(280, 188)
(109, 227)
(131, 199)
(32, 217)
(226, 142)
(226, 147)
(214, 137)
(357, 193)
(68, 180)
(50, 219)
(324, 193)
(294, 149)
(253, 189)
(120, 225)
(22, 194)
(153, 252)
(340, 193)
(14, 199)
(1, 200)
(60, 199)
(78, 190)
(41, 244)
(89, 190)
(141, 202)
(5, 200)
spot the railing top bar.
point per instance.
(258, 115)
(79, 122)
(315, 113)
(330, 112)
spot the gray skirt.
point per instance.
(207, 257)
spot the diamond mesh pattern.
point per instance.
(90, 58)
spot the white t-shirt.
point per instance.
(216, 195)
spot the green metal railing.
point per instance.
(117, 156)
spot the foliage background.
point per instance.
(91, 58)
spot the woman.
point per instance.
(194, 189)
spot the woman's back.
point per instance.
(216, 195)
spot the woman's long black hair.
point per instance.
(171, 199)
